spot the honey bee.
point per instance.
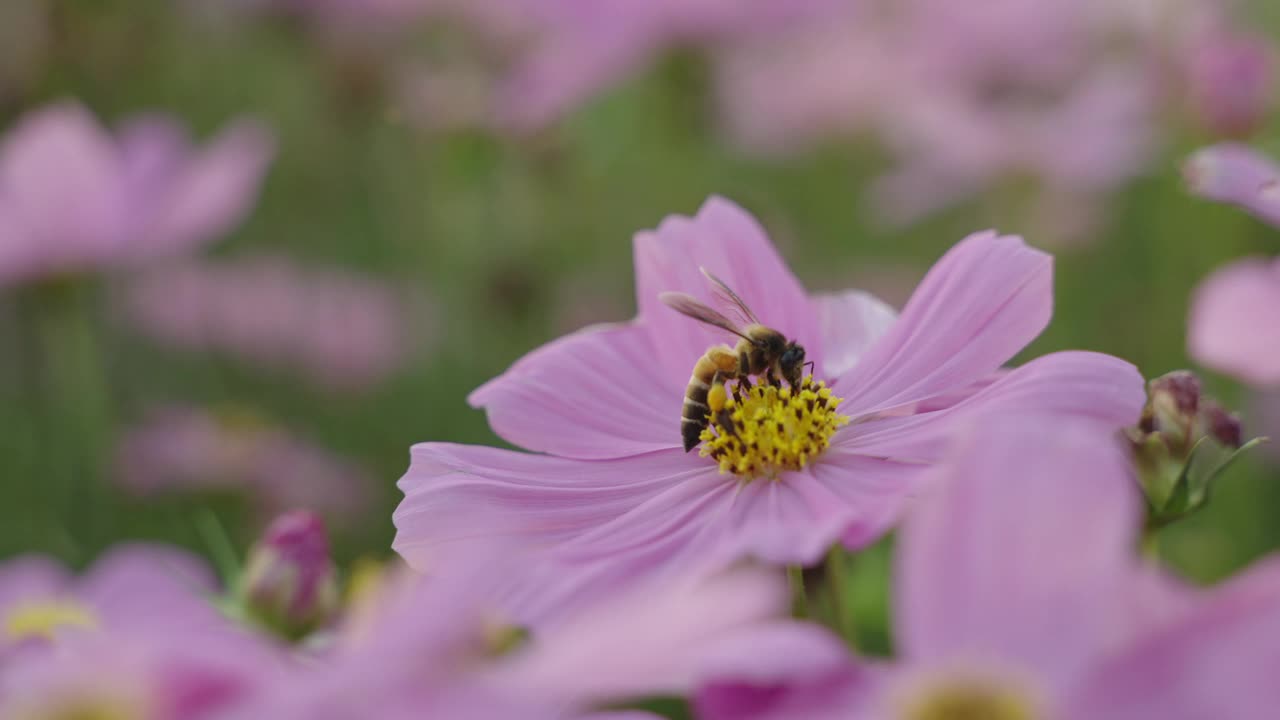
(761, 351)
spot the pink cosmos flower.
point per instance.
(1238, 175)
(1007, 606)
(181, 449)
(272, 313)
(128, 588)
(1230, 81)
(146, 673)
(1231, 327)
(609, 493)
(458, 644)
(581, 48)
(74, 199)
(962, 100)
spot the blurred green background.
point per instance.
(517, 242)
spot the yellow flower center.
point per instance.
(970, 699)
(43, 620)
(767, 430)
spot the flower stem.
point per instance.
(74, 393)
(799, 596)
(836, 579)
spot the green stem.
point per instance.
(1151, 544)
(74, 394)
(799, 597)
(837, 578)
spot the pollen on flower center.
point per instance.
(43, 619)
(970, 700)
(764, 430)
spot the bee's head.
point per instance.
(791, 364)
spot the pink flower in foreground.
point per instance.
(75, 199)
(1232, 327)
(610, 495)
(341, 330)
(147, 673)
(454, 644)
(180, 449)
(1238, 175)
(1018, 594)
(130, 587)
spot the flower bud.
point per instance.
(289, 582)
(1230, 83)
(1182, 442)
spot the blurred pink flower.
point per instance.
(454, 644)
(580, 48)
(963, 100)
(1231, 81)
(1006, 605)
(181, 449)
(1232, 327)
(615, 498)
(128, 588)
(75, 199)
(1238, 175)
(340, 330)
(146, 673)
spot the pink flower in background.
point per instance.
(129, 588)
(454, 643)
(75, 199)
(1231, 80)
(181, 449)
(1018, 594)
(1232, 326)
(1238, 175)
(581, 48)
(963, 100)
(612, 496)
(340, 330)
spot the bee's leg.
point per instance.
(770, 379)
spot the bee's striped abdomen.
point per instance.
(693, 418)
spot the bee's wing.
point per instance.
(725, 293)
(698, 310)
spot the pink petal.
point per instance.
(851, 323)
(31, 578)
(1219, 661)
(216, 189)
(982, 302)
(1232, 326)
(648, 640)
(593, 394)
(1236, 174)
(1082, 385)
(726, 240)
(780, 671)
(463, 493)
(59, 173)
(150, 585)
(791, 521)
(1018, 553)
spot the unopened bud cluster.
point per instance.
(1183, 440)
